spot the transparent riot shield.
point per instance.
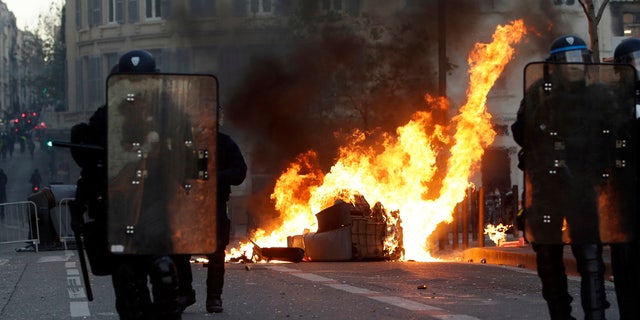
(161, 163)
(580, 161)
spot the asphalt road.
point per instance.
(47, 285)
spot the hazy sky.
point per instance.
(27, 11)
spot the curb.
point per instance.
(521, 257)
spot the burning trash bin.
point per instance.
(348, 232)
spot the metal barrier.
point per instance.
(64, 221)
(19, 223)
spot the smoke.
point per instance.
(371, 77)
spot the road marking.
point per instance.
(350, 288)
(76, 291)
(404, 303)
(399, 302)
(312, 277)
(52, 259)
(79, 309)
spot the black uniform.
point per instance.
(569, 139)
(129, 272)
(625, 257)
(232, 170)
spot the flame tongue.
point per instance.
(399, 170)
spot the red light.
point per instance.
(23, 115)
(34, 114)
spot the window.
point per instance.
(261, 7)
(95, 81)
(239, 8)
(78, 14)
(132, 10)
(94, 13)
(561, 2)
(80, 104)
(631, 24)
(351, 7)
(111, 60)
(328, 5)
(242, 8)
(115, 11)
(203, 8)
(154, 9)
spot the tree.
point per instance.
(51, 32)
(377, 68)
(593, 18)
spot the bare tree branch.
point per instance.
(593, 19)
(601, 10)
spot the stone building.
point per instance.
(224, 37)
(8, 65)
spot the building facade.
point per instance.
(8, 64)
(223, 36)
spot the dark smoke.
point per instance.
(287, 104)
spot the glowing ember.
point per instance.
(497, 234)
(398, 171)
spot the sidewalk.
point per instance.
(524, 257)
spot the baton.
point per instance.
(80, 247)
(57, 143)
(83, 266)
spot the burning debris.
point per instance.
(346, 231)
(498, 233)
(399, 170)
(352, 231)
(290, 254)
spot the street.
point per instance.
(48, 285)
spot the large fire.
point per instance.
(398, 171)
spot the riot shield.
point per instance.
(580, 162)
(161, 155)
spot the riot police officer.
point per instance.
(231, 170)
(625, 256)
(130, 273)
(577, 205)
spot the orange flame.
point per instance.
(398, 171)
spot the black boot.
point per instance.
(215, 282)
(164, 281)
(186, 293)
(214, 303)
(133, 301)
(591, 269)
(551, 271)
(625, 278)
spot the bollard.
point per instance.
(454, 229)
(465, 220)
(481, 218)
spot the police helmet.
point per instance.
(569, 48)
(138, 61)
(628, 51)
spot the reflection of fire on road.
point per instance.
(399, 170)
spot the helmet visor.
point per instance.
(578, 56)
(633, 59)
